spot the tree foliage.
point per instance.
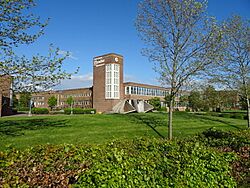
(24, 99)
(20, 27)
(52, 101)
(70, 100)
(234, 70)
(195, 100)
(155, 102)
(180, 39)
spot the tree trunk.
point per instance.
(248, 113)
(170, 120)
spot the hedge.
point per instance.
(134, 163)
(39, 111)
(225, 115)
(80, 111)
(23, 109)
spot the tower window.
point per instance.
(112, 81)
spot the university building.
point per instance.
(109, 93)
(5, 95)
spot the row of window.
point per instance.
(85, 102)
(65, 96)
(77, 95)
(38, 98)
(112, 78)
(136, 90)
(38, 103)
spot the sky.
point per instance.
(89, 28)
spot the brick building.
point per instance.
(109, 92)
(5, 95)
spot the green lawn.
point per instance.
(22, 132)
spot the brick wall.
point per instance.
(100, 103)
(5, 84)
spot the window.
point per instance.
(112, 81)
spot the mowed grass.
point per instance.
(23, 132)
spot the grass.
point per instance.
(23, 132)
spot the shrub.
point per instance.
(39, 111)
(237, 116)
(80, 111)
(23, 109)
(134, 163)
(237, 142)
(219, 138)
(56, 112)
(162, 109)
(226, 115)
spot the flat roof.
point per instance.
(146, 85)
(108, 54)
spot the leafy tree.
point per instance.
(52, 101)
(24, 100)
(234, 70)
(195, 101)
(180, 39)
(155, 102)
(20, 27)
(228, 99)
(183, 100)
(70, 101)
(15, 101)
(211, 98)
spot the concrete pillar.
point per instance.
(141, 106)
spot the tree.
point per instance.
(234, 70)
(19, 27)
(70, 101)
(24, 100)
(155, 102)
(211, 98)
(180, 39)
(52, 101)
(183, 100)
(195, 100)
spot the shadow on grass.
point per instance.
(151, 121)
(16, 128)
(203, 118)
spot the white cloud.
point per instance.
(77, 81)
(130, 78)
(70, 54)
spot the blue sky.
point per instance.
(88, 28)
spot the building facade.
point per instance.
(109, 93)
(5, 95)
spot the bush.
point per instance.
(134, 163)
(56, 112)
(237, 142)
(226, 115)
(162, 109)
(39, 111)
(154, 163)
(80, 111)
(237, 116)
(23, 109)
(219, 138)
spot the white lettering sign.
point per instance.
(98, 60)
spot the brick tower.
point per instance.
(108, 87)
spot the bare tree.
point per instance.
(180, 39)
(234, 71)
